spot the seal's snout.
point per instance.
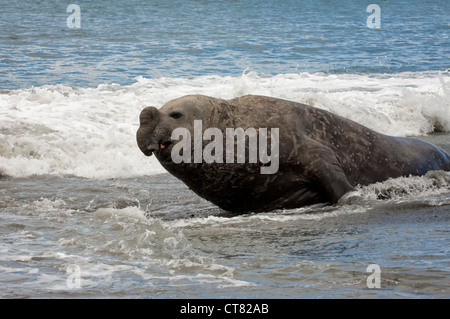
(151, 148)
(148, 119)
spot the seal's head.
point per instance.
(156, 126)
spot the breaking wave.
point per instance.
(90, 132)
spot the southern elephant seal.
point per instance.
(316, 156)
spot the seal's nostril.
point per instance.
(152, 147)
(149, 150)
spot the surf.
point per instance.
(90, 132)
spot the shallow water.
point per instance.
(152, 237)
(84, 214)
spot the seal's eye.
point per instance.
(176, 115)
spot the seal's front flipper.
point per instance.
(336, 186)
(325, 172)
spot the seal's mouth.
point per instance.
(156, 148)
(163, 145)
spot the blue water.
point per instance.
(120, 40)
(75, 190)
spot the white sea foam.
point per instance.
(90, 132)
(432, 189)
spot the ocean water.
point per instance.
(83, 213)
(119, 41)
